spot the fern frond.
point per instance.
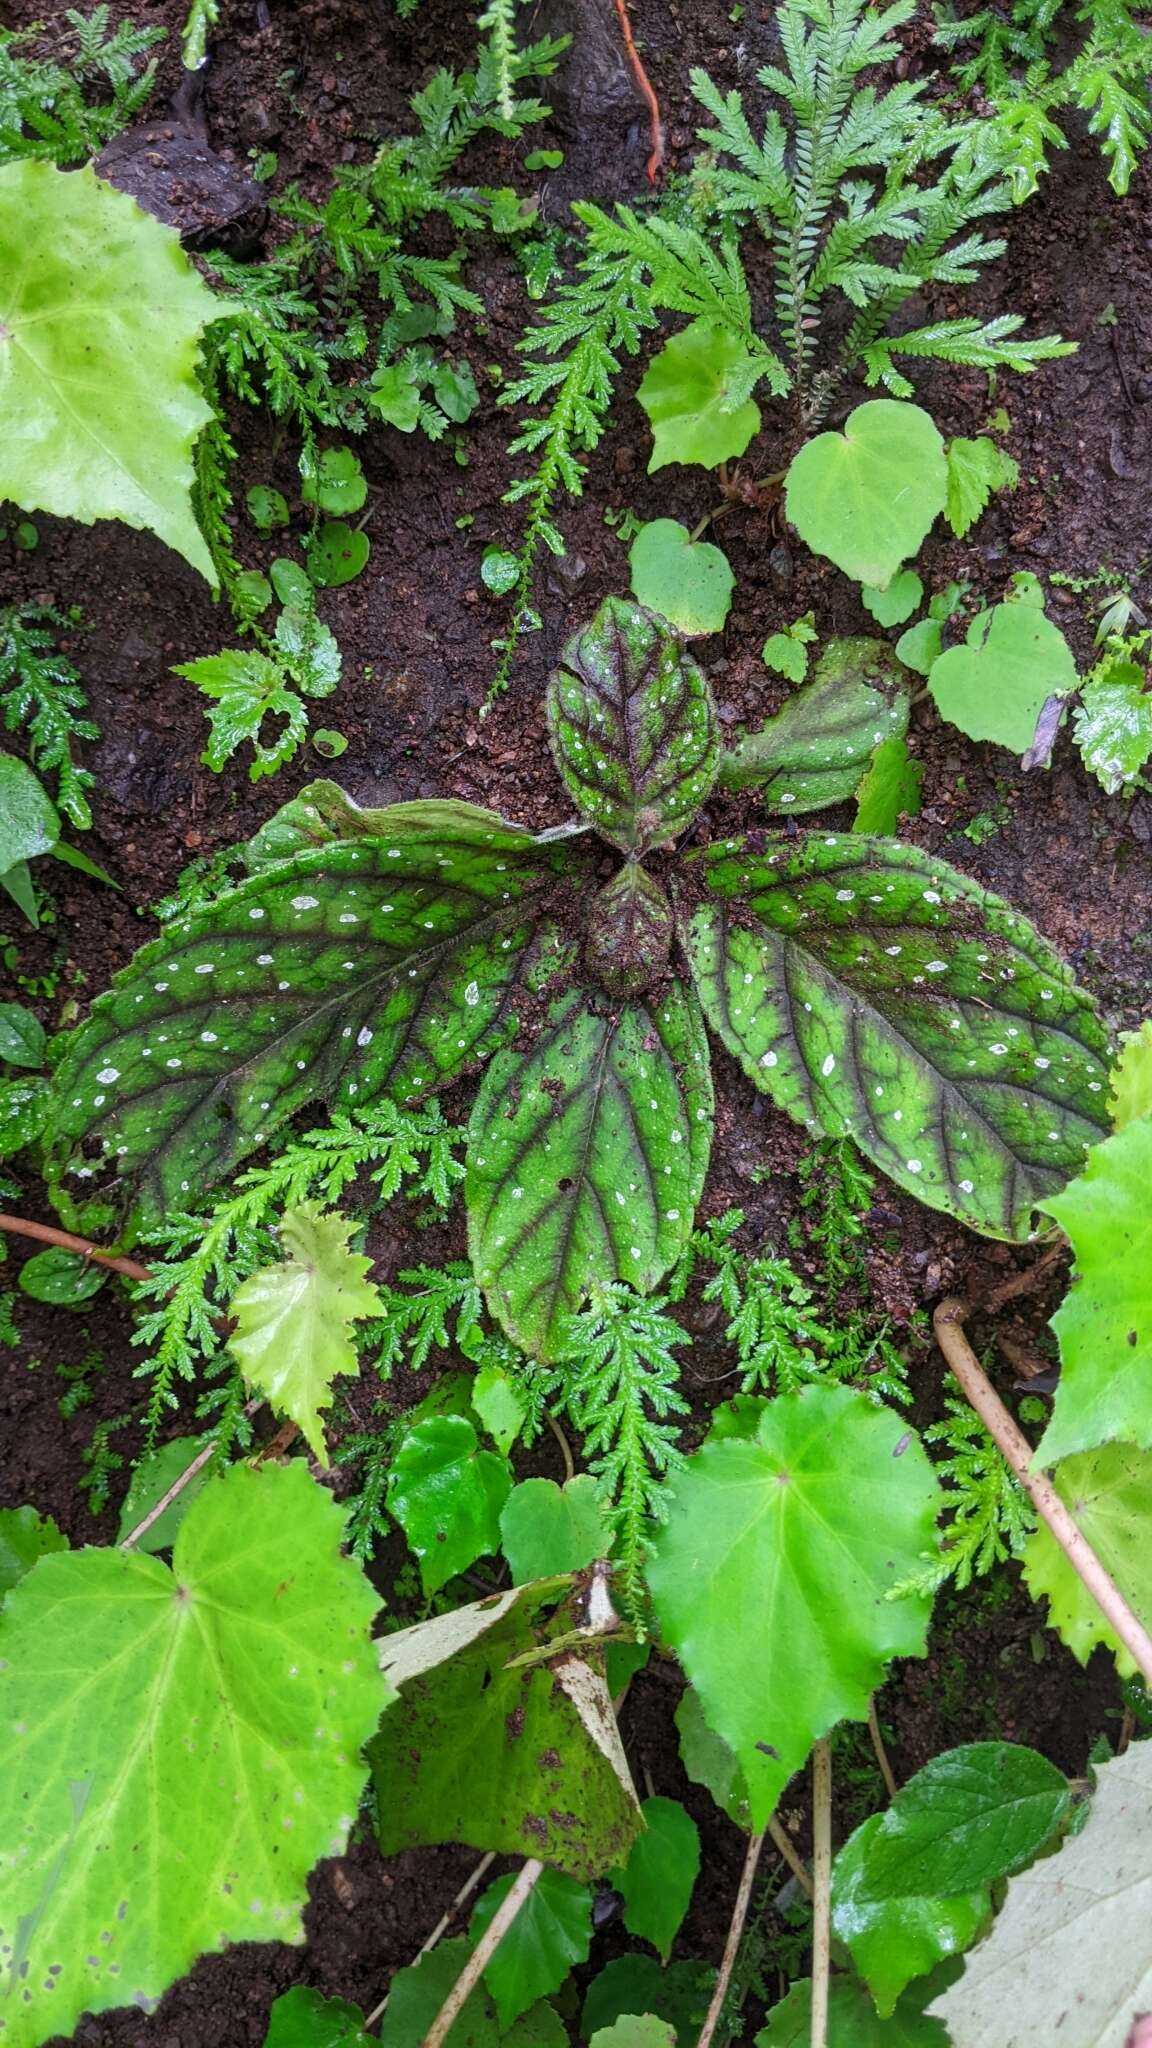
(42, 695)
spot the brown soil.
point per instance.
(319, 81)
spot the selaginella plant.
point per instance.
(865, 986)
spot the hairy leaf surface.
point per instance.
(770, 1577)
(587, 1156)
(101, 315)
(182, 1747)
(382, 966)
(1108, 1492)
(818, 746)
(871, 989)
(633, 727)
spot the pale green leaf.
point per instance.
(636, 2030)
(770, 1577)
(657, 1882)
(1131, 1095)
(24, 1537)
(867, 497)
(890, 607)
(920, 646)
(1113, 723)
(787, 655)
(815, 750)
(688, 393)
(1109, 1493)
(975, 469)
(499, 1403)
(550, 1936)
(545, 1528)
(1104, 1394)
(236, 1688)
(688, 582)
(101, 315)
(447, 1493)
(995, 686)
(893, 1941)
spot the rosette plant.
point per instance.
(863, 985)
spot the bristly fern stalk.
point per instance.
(41, 693)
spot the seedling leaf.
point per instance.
(550, 1936)
(695, 395)
(688, 582)
(866, 497)
(545, 1528)
(447, 1493)
(657, 1882)
(892, 606)
(1108, 1492)
(816, 749)
(975, 470)
(994, 687)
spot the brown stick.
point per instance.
(1101, 1586)
(821, 1889)
(177, 1487)
(784, 1848)
(735, 1937)
(483, 1953)
(886, 1771)
(46, 1233)
(441, 1928)
(655, 124)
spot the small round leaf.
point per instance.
(688, 582)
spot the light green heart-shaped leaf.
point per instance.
(378, 965)
(771, 1578)
(867, 497)
(1108, 1492)
(1104, 1327)
(995, 686)
(237, 1687)
(695, 393)
(447, 1493)
(893, 1941)
(892, 606)
(687, 581)
(545, 1528)
(587, 1156)
(1132, 1077)
(101, 315)
(633, 727)
(873, 991)
(291, 1337)
(815, 750)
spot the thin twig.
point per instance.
(441, 1928)
(46, 1233)
(822, 1889)
(565, 1447)
(886, 1771)
(1025, 1279)
(177, 1487)
(483, 1953)
(1101, 1586)
(735, 1936)
(784, 1847)
(655, 124)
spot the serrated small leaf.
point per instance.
(1113, 724)
(771, 1579)
(375, 965)
(636, 2030)
(550, 1936)
(890, 790)
(291, 1337)
(633, 727)
(447, 1493)
(687, 392)
(815, 750)
(636, 1984)
(874, 991)
(237, 1686)
(893, 1941)
(786, 655)
(1108, 1493)
(245, 689)
(1104, 1327)
(867, 497)
(540, 1739)
(545, 1528)
(852, 2021)
(22, 1037)
(970, 1816)
(995, 686)
(688, 582)
(61, 1277)
(499, 1403)
(102, 315)
(25, 1536)
(975, 469)
(302, 2018)
(657, 1882)
(890, 607)
(1131, 1095)
(150, 1480)
(586, 1157)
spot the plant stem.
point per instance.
(822, 1888)
(177, 1487)
(886, 1771)
(483, 1952)
(46, 1233)
(948, 1324)
(442, 1925)
(565, 1447)
(781, 1843)
(656, 126)
(735, 1936)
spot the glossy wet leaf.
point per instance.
(447, 1493)
(302, 2018)
(541, 1741)
(337, 554)
(1108, 1492)
(975, 469)
(587, 1156)
(637, 1984)
(150, 1480)
(770, 1578)
(867, 497)
(102, 315)
(29, 820)
(995, 685)
(24, 1112)
(1113, 724)
(545, 1528)
(853, 2021)
(1131, 1095)
(657, 1882)
(250, 704)
(333, 480)
(970, 1816)
(708, 1760)
(815, 750)
(1104, 1327)
(694, 393)
(417, 1992)
(61, 1277)
(237, 1686)
(889, 791)
(872, 990)
(25, 1536)
(893, 1941)
(633, 727)
(688, 582)
(293, 1321)
(375, 965)
(550, 1936)
(22, 1037)
(1069, 1958)
(890, 607)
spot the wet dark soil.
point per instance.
(318, 83)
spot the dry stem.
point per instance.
(735, 1936)
(483, 1953)
(47, 1233)
(822, 1888)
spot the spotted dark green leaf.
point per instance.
(870, 989)
(368, 967)
(586, 1157)
(633, 727)
(815, 751)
